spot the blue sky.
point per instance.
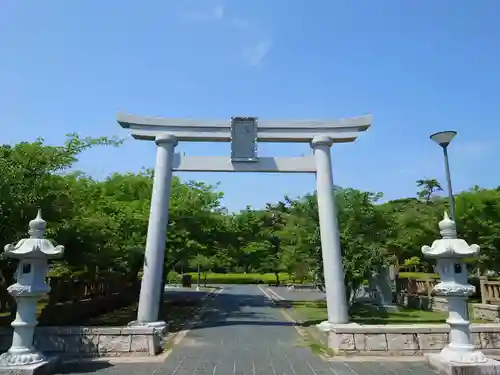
(417, 66)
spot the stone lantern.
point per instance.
(30, 286)
(450, 253)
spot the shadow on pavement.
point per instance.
(83, 367)
(229, 309)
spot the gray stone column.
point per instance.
(330, 235)
(149, 300)
(381, 288)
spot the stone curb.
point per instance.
(173, 339)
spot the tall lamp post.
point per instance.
(443, 139)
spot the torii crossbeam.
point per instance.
(244, 133)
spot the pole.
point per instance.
(333, 270)
(152, 278)
(448, 179)
(450, 194)
(198, 282)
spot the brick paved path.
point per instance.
(243, 333)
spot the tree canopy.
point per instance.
(103, 223)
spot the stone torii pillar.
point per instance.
(152, 277)
(333, 270)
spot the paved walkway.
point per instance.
(298, 294)
(244, 333)
(310, 294)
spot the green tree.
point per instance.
(410, 225)
(31, 179)
(412, 263)
(103, 223)
(427, 188)
(362, 230)
(203, 264)
(478, 216)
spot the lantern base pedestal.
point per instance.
(47, 367)
(445, 367)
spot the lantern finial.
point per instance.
(37, 226)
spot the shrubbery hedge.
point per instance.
(231, 278)
(418, 275)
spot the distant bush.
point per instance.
(240, 278)
(174, 278)
(418, 275)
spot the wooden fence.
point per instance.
(421, 287)
(489, 290)
(72, 290)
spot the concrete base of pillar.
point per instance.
(446, 367)
(46, 367)
(160, 325)
(160, 329)
(335, 341)
(326, 326)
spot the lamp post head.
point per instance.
(443, 138)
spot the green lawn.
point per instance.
(315, 312)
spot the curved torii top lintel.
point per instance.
(186, 129)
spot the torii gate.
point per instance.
(243, 133)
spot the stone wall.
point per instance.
(404, 340)
(486, 312)
(93, 341)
